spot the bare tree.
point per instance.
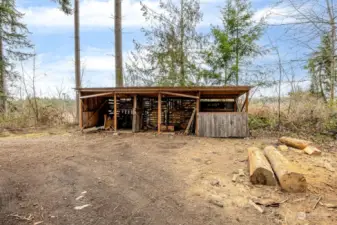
(30, 88)
(311, 20)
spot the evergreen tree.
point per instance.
(169, 55)
(13, 44)
(65, 6)
(233, 43)
(319, 67)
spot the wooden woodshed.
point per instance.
(205, 111)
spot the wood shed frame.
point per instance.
(206, 123)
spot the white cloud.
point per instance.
(58, 71)
(276, 15)
(93, 14)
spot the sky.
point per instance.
(52, 34)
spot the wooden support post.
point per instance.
(245, 104)
(187, 131)
(197, 109)
(115, 112)
(159, 112)
(81, 113)
(235, 104)
(247, 101)
(135, 121)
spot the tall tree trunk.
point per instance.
(77, 57)
(237, 50)
(321, 84)
(118, 44)
(2, 74)
(332, 53)
(36, 108)
(182, 53)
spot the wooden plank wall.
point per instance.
(90, 105)
(233, 124)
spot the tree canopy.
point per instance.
(170, 53)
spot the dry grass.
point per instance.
(50, 113)
(300, 112)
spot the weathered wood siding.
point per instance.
(233, 124)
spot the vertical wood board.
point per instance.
(223, 125)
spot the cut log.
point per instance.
(311, 150)
(260, 170)
(289, 179)
(294, 142)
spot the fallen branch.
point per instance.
(29, 218)
(269, 202)
(319, 199)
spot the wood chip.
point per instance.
(235, 177)
(311, 150)
(258, 208)
(81, 207)
(301, 215)
(38, 222)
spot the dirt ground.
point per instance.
(73, 178)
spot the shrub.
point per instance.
(299, 112)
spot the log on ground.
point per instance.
(289, 179)
(260, 170)
(294, 142)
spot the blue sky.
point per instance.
(52, 34)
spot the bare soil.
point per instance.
(151, 179)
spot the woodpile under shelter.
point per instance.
(205, 111)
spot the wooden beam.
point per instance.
(134, 114)
(115, 112)
(247, 101)
(235, 104)
(187, 131)
(179, 95)
(197, 107)
(159, 112)
(81, 114)
(245, 104)
(97, 95)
